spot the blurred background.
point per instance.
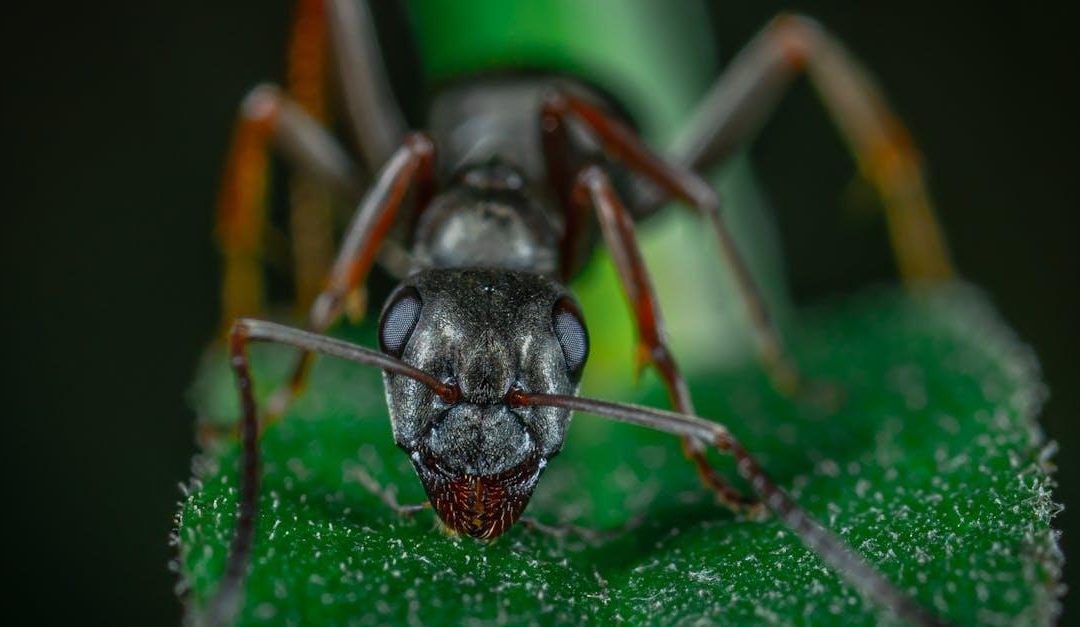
(116, 117)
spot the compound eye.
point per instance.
(570, 331)
(398, 320)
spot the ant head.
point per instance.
(486, 334)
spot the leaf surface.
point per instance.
(932, 466)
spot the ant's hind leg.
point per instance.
(377, 124)
(267, 118)
(738, 104)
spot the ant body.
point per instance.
(482, 345)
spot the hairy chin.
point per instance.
(480, 506)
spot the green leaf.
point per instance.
(932, 467)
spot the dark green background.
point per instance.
(115, 119)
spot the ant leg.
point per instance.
(620, 142)
(745, 94)
(830, 547)
(267, 117)
(222, 608)
(594, 189)
(373, 115)
(311, 205)
(325, 175)
(410, 168)
(387, 494)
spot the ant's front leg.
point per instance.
(829, 546)
(223, 606)
(619, 142)
(411, 168)
(593, 188)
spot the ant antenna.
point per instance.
(225, 603)
(852, 566)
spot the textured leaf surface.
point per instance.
(932, 467)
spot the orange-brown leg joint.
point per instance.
(882, 147)
(307, 64)
(241, 214)
(594, 188)
(683, 184)
(311, 213)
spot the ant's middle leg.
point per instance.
(268, 118)
(292, 121)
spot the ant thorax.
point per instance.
(487, 218)
(487, 333)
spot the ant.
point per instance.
(486, 218)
